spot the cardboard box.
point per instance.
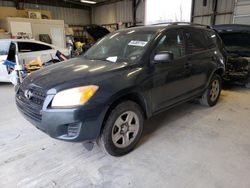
(5, 36)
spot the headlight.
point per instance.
(74, 97)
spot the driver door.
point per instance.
(170, 79)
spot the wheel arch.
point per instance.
(220, 71)
(134, 97)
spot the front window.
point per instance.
(172, 42)
(120, 47)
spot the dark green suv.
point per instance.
(125, 78)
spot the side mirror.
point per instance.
(163, 57)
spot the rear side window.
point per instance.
(4, 47)
(211, 39)
(195, 41)
(31, 47)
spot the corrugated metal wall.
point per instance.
(242, 12)
(113, 13)
(69, 15)
(203, 14)
(140, 13)
(225, 6)
(106, 14)
(6, 4)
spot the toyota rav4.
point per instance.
(125, 78)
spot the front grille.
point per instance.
(31, 107)
(37, 95)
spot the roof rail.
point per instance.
(182, 23)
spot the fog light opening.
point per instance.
(74, 129)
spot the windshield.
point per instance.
(120, 47)
(236, 42)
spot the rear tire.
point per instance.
(123, 129)
(212, 94)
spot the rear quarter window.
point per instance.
(211, 39)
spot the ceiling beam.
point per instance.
(106, 2)
(63, 3)
(57, 3)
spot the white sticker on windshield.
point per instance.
(113, 59)
(137, 43)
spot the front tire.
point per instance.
(212, 94)
(123, 129)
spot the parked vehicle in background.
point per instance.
(79, 44)
(237, 41)
(25, 51)
(128, 76)
(4, 50)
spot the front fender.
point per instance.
(134, 94)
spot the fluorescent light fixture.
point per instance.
(89, 2)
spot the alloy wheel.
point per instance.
(215, 90)
(125, 129)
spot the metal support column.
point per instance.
(134, 7)
(213, 17)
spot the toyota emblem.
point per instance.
(28, 94)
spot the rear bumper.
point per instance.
(75, 125)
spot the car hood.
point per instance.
(72, 73)
(96, 31)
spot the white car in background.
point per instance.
(25, 51)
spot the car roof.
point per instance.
(27, 40)
(164, 26)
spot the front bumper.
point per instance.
(75, 125)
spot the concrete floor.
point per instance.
(189, 146)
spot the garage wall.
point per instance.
(113, 13)
(69, 15)
(117, 12)
(140, 14)
(242, 12)
(212, 13)
(13, 12)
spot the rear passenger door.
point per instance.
(201, 52)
